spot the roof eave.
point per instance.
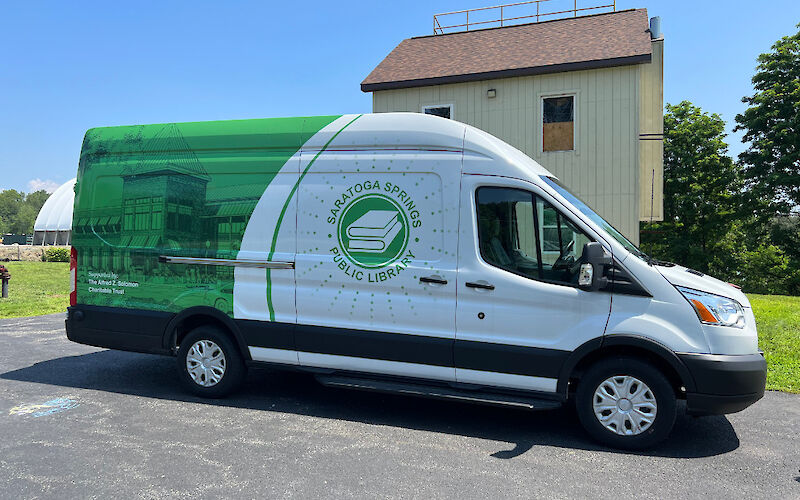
(509, 73)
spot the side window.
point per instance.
(523, 234)
(506, 230)
(558, 123)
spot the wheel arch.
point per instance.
(624, 345)
(189, 319)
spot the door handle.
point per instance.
(482, 286)
(435, 279)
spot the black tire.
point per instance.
(660, 389)
(234, 367)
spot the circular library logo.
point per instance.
(373, 231)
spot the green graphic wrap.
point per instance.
(186, 190)
(270, 306)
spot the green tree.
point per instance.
(766, 270)
(36, 199)
(10, 204)
(18, 211)
(23, 221)
(28, 212)
(784, 232)
(701, 191)
(772, 128)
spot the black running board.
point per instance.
(439, 392)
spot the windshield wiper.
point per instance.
(655, 262)
(643, 256)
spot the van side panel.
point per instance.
(338, 261)
(250, 300)
(371, 224)
(182, 190)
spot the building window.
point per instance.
(443, 110)
(142, 220)
(129, 216)
(558, 123)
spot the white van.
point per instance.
(394, 252)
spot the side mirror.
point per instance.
(593, 263)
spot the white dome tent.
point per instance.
(53, 225)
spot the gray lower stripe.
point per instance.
(416, 370)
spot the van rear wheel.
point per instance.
(209, 363)
(626, 403)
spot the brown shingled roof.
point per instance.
(602, 40)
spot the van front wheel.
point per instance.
(626, 403)
(209, 363)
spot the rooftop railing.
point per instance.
(511, 14)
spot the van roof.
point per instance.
(417, 130)
(367, 131)
(262, 133)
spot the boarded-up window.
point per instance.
(558, 127)
(445, 111)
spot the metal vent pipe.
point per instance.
(655, 28)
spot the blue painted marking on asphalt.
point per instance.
(50, 407)
(56, 406)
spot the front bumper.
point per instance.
(724, 383)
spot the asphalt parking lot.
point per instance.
(83, 422)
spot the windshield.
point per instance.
(585, 210)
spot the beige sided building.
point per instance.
(583, 96)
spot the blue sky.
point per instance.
(69, 66)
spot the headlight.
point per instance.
(714, 309)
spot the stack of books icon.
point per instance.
(374, 231)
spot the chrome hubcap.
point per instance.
(625, 405)
(205, 363)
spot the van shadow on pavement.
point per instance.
(299, 393)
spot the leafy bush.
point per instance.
(767, 270)
(56, 254)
